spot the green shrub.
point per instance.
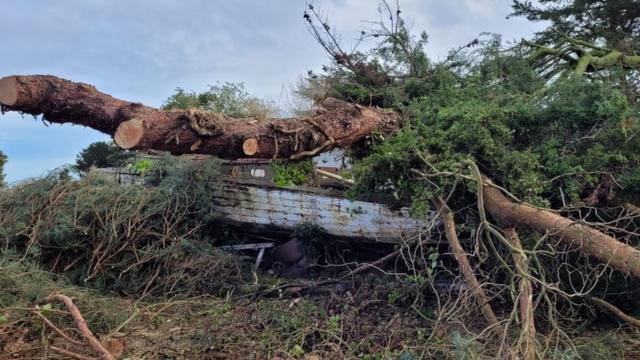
(127, 238)
(229, 98)
(3, 160)
(292, 173)
(101, 154)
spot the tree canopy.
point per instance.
(550, 143)
(612, 23)
(228, 98)
(101, 154)
(596, 37)
(3, 160)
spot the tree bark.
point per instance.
(615, 311)
(81, 324)
(525, 294)
(590, 241)
(135, 126)
(465, 267)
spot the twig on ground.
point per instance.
(57, 329)
(615, 311)
(81, 324)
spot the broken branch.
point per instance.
(465, 267)
(81, 324)
(615, 311)
(590, 241)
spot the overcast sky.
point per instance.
(141, 50)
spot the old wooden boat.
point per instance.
(250, 199)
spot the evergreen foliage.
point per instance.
(101, 154)
(229, 98)
(130, 239)
(595, 37)
(613, 23)
(570, 143)
(548, 143)
(3, 160)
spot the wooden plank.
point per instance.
(338, 216)
(259, 203)
(246, 246)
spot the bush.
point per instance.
(228, 98)
(3, 160)
(101, 154)
(131, 239)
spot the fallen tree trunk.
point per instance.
(337, 124)
(590, 241)
(135, 126)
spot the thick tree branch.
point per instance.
(590, 241)
(465, 267)
(135, 126)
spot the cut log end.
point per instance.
(8, 91)
(250, 146)
(129, 133)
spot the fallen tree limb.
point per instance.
(590, 241)
(615, 311)
(465, 267)
(527, 320)
(135, 126)
(81, 324)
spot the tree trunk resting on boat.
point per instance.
(135, 126)
(336, 124)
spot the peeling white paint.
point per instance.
(338, 216)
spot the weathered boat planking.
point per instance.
(250, 199)
(285, 208)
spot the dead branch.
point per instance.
(615, 311)
(528, 335)
(81, 324)
(57, 329)
(333, 176)
(465, 267)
